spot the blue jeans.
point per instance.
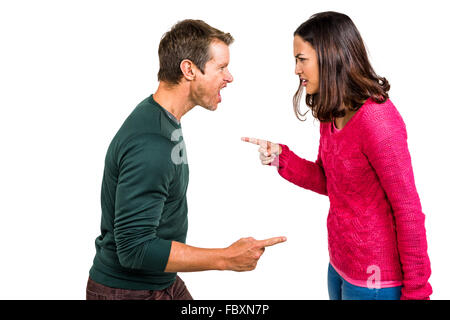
(339, 289)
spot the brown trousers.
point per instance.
(97, 291)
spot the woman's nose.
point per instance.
(298, 70)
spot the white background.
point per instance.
(72, 71)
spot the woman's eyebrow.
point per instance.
(298, 55)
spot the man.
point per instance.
(144, 210)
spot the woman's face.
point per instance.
(306, 65)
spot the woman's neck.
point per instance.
(341, 122)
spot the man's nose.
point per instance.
(229, 77)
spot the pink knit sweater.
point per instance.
(375, 221)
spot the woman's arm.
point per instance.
(385, 145)
(301, 172)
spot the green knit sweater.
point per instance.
(143, 201)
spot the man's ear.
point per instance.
(188, 69)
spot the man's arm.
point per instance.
(143, 184)
(142, 189)
(243, 255)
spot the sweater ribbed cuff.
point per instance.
(282, 159)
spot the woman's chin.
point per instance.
(310, 92)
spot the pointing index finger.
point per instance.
(271, 241)
(253, 140)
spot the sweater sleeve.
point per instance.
(385, 146)
(145, 172)
(301, 172)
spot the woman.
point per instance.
(376, 234)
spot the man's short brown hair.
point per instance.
(188, 39)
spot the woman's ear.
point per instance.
(188, 69)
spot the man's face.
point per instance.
(206, 87)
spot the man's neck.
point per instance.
(175, 99)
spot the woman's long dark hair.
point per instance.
(345, 74)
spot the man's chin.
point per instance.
(211, 108)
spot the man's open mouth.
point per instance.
(220, 97)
